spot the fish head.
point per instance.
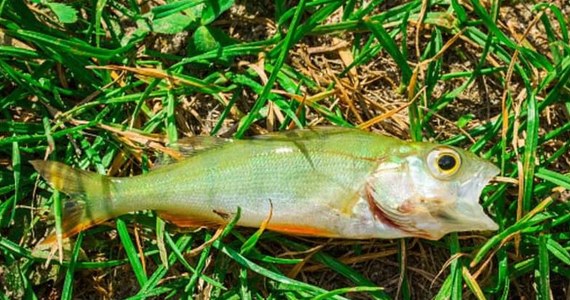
(429, 190)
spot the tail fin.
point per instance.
(91, 198)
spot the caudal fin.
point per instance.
(90, 201)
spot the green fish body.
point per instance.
(328, 182)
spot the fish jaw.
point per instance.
(468, 214)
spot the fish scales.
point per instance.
(257, 176)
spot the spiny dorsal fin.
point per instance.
(190, 146)
(306, 133)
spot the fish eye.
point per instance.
(444, 162)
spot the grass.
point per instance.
(106, 85)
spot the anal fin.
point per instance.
(187, 221)
(294, 229)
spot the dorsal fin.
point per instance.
(190, 146)
(306, 133)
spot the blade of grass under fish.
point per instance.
(554, 133)
(526, 221)
(131, 252)
(456, 267)
(529, 160)
(200, 265)
(472, 284)
(152, 282)
(160, 234)
(558, 250)
(246, 263)
(339, 268)
(358, 289)
(72, 46)
(67, 290)
(58, 214)
(360, 13)
(99, 7)
(17, 170)
(554, 177)
(543, 275)
(13, 52)
(228, 52)
(6, 207)
(445, 289)
(191, 285)
(262, 99)
(14, 248)
(23, 80)
(180, 257)
(348, 9)
(459, 11)
(503, 281)
(404, 287)
(244, 291)
(250, 243)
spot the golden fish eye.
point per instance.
(444, 162)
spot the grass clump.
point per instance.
(107, 85)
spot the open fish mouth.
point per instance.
(468, 211)
(467, 214)
(432, 218)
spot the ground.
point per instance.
(111, 89)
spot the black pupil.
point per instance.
(446, 162)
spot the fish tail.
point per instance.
(91, 197)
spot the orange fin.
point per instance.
(90, 202)
(300, 230)
(190, 221)
(71, 231)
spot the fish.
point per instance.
(320, 182)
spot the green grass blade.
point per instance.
(131, 252)
(262, 99)
(67, 291)
(543, 269)
(530, 151)
(554, 177)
